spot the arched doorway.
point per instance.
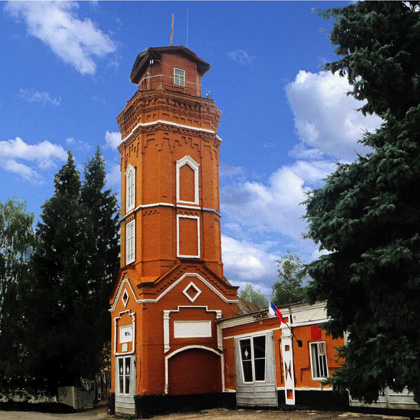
(194, 371)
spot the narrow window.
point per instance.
(319, 360)
(130, 188)
(179, 77)
(130, 242)
(246, 357)
(253, 358)
(259, 358)
(124, 372)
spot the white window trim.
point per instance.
(179, 77)
(128, 259)
(187, 160)
(251, 339)
(179, 255)
(312, 362)
(130, 204)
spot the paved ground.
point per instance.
(215, 414)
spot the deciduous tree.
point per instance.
(368, 214)
(254, 295)
(289, 287)
(16, 245)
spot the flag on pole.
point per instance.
(275, 312)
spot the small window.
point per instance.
(319, 360)
(130, 241)
(253, 358)
(130, 188)
(179, 77)
(124, 372)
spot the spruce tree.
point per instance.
(101, 225)
(367, 216)
(74, 266)
(58, 289)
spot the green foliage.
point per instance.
(253, 295)
(17, 239)
(73, 268)
(368, 214)
(291, 273)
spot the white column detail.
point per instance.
(166, 316)
(288, 365)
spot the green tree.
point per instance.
(253, 295)
(16, 245)
(289, 287)
(368, 214)
(101, 226)
(73, 268)
(58, 289)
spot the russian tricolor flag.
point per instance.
(275, 312)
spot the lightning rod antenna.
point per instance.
(172, 31)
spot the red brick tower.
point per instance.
(170, 291)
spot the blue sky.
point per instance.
(65, 77)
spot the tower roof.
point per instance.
(155, 53)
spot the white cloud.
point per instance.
(274, 206)
(44, 155)
(244, 261)
(10, 165)
(241, 57)
(76, 41)
(38, 96)
(228, 171)
(112, 139)
(325, 117)
(75, 144)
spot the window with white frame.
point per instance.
(124, 374)
(130, 242)
(319, 360)
(179, 77)
(253, 358)
(130, 179)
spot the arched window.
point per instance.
(130, 181)
(187, 171)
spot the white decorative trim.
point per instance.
(166, 328)
(212, 288)
(200, 328)
(184, 349)
(196, 289)
(145, 206)
(133, 317)
(204, 130)
(187, 160)
(183, 206)
(178, 254)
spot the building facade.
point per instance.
(180, 335)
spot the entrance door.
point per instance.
(255, 371)
(125, 385)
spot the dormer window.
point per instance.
(179, 77)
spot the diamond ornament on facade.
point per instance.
(192, 292)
